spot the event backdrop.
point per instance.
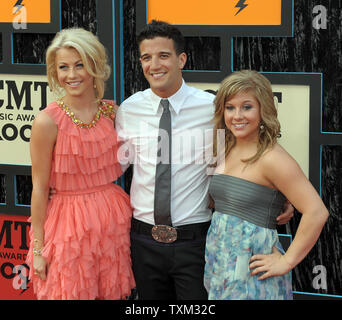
(295, 43)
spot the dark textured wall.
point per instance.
(31, 47)
(309, 50)
(2, 189)
(0, 47)
(332, 196)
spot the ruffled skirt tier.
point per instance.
(87, 246)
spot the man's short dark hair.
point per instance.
(165, 30)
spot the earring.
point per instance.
(262, 127)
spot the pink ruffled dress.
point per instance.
(87, 244)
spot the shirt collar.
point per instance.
(176, 100)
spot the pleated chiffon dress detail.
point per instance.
(86, 240)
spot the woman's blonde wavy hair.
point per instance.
(93, 55)
(255, 83)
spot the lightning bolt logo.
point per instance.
(241, 4)
(18, 5)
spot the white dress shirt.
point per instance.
(137, 125)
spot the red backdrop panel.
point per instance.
(14, 243)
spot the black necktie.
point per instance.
(162, 193)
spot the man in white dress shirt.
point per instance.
(168, 269)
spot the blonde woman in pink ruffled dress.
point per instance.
(80, 246)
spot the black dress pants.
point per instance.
(169, 271)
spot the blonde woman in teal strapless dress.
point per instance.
(244, 258)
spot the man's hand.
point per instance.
(211, 203)
(287, 213)
(51, 193)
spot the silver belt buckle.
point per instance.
(164, 234)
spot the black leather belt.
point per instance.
(168, 234)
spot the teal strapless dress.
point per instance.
(242, 225)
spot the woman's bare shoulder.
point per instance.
(277, 162)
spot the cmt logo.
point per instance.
(19, 274)
(22, 12)
(18, 5)
(20, 20)
(241, 5)
(224, 12)
(13, 252)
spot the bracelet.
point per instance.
(37, 252)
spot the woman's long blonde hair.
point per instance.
(92, 52)
(255, 83)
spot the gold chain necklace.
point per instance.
(103, 109)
